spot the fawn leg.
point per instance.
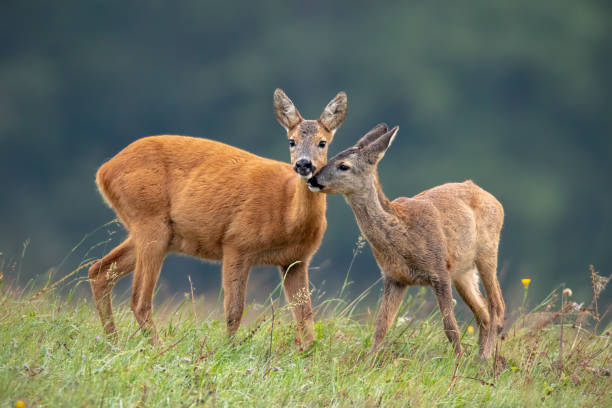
(444, 295)
(487, 268)
(393, 292)
(467, 287)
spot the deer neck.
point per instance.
(307, 206)
(373, 212)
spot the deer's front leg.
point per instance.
(235, 274)
(393, 292)
(297, 293)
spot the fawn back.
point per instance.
(447, 234)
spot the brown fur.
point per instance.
(447, 234)
(210, 200)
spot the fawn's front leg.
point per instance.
(393, 292)
(444, 294)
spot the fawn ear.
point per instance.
(376, 149)
(285, 111)
(334, 113)
(373, 134)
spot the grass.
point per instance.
(53, 354)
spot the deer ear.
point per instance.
(377, 148)
(285, 111)
(334, 113)
(373, 134)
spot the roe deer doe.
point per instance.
(449, 233)
(210, 200)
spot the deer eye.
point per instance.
(343, 167)
(291, 142)
(322, 143)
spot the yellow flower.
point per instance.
(20, 404)
(526, 282)
(470, 329)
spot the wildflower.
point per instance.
(577, 307)
(83, 358)
(401, 320)
(525, 282)
(186, 359)
(15, 345)
(470, 329)
(514, 368)
(276, 368)
(20, 404)
(454, 302)
(98, 338)
(567, 292)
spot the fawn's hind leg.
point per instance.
(487, 269)
(104, 274)
(467, 287)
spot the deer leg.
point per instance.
(444, 294)
(295, 284)
(393, 292)
(467, 287)
(150, 252)
(104, 274)
(235, 274)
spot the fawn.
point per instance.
(449, 233)
(210, 200)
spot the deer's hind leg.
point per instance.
(467, 287)
(104, 274)
(152, 240)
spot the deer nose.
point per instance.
(304, 167)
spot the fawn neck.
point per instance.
(373, 212)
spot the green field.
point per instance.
(53, 354)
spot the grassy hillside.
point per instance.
(53, 354)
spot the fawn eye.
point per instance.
(322, 143)
(343, 167)
(291, 142)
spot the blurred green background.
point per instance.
(514, 95)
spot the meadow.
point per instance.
(54, 354)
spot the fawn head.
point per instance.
(308, 139)
(349, 171)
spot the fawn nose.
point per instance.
(313, 184)
(304, 167)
